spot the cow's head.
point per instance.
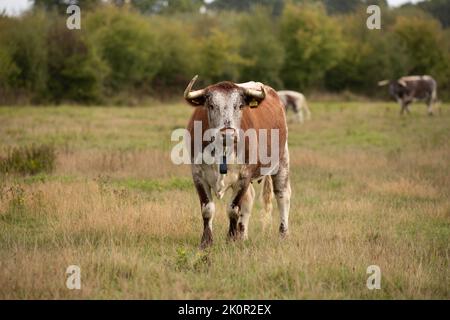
(397, 88)
(224, 103)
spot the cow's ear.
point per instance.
(254, 97)
(199, 101)
(252, 102)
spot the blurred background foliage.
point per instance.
(151, 48)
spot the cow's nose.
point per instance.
(228, 133)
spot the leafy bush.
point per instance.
(75, 70)
(261, 48)
(28, 160)
(313, 44)
(128, 46)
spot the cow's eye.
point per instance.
(241, 106)
(210, 106)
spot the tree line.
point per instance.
(128, 50)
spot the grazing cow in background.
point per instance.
(296, 101)
(232, 109)
(408, 89)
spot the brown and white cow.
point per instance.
(297, 102)
(232, 108)
(408, 89)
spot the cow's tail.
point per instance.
(267, 196)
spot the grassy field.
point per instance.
(369, 188)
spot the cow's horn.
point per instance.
(383, 83)
(257, 94)
(402, 82)
(190, 95)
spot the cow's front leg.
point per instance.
(208, 209)
(402, 108)
(239, 211)
(298, 112)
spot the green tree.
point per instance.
(312, 43)
(75, 72)
(61, 5)
(369, 56)
(25, 52)
(219, 56)
(260, 47)
(128, 45)
(440, 9)
(245, 5)
(168, 6)
(178, 56)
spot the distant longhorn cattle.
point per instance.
(228, 108)
(296, 101)
(408, 89)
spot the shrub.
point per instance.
(312, 42)
(127, 44)
(75, 72)
(29, 160)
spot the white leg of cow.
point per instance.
(282, 191)
(245, 212)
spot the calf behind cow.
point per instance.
(231, 109)
(408, 89)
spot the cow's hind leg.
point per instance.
(282, 191)
(298, 110)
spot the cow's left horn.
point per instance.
(257, 94)
(191, 95)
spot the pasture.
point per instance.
(369, 188)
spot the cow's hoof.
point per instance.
(207, 239)
(205, 245)
(430, 114)
(284, 232)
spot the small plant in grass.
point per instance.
(192, 260)
(28, 160)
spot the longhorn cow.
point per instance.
(408, 89)
(233, 110)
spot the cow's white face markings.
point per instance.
(225, 109)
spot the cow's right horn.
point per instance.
(192, 95)
(383, 83)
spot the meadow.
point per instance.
(369, 188)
